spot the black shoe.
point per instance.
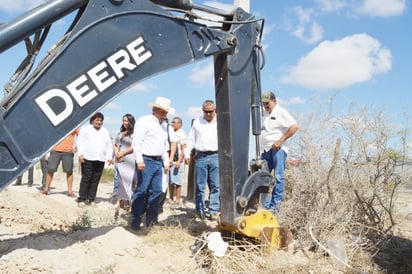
(155, 223)
(30, 184)
(135, 226)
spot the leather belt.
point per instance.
(156, 158)
(207, 152)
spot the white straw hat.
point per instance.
(163, 103)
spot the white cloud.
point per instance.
(143, 87)
(203, 75)
(18, 6)
(340, 63)
(297, 100)
(192, 112)
(331, 5)
(306, 29)
(383, 8)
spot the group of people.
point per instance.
(149, 154)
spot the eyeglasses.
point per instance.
(173, 122)
(209, 111)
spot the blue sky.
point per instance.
(349, 50)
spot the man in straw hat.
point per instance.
(150, 145)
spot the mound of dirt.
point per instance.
(51, 234)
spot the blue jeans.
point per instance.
(276, 161)
(115, 180)
(207, 172)
(147, 194)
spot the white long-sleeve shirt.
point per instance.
(150, 138)
(202, 136)
(94, 145)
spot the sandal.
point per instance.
(72, 194)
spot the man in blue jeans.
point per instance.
(278, 126)
(150, 145)
(203, 138)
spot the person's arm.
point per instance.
(173, 149)
(190, 145)
(181, 156)
(109, 148)
(80, 145)
(289, 133)
(138, 136)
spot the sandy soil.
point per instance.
(38, 234)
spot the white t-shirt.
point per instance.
(275, 124)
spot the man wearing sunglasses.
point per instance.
(203, 138)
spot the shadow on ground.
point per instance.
(395, 255)
(41, 241)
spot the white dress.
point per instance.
(126, 168)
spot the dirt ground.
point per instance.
(42, 234)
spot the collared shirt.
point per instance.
(150, 138)
(94, 145)
(202, 136)
(275, 125)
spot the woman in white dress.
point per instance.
(125, 161)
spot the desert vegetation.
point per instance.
(340, 204)
(341, 192)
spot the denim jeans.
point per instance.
(207, 172)
(276, 161)
(115, 180)
(147, 194)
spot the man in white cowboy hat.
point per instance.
(150, 145)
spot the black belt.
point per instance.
(156, 158)
(207, 152)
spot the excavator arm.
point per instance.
(111, 46)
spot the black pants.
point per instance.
(91, 173)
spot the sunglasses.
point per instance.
(209, 111)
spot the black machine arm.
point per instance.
(113, 45)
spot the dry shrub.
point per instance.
(344, 185)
